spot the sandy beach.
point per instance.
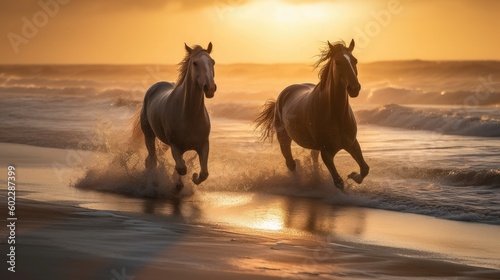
(249, 139)
(65, 233)
(66, 242)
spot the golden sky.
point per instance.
(256, 31)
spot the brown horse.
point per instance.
(319, 117)
(176, 113)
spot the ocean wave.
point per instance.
(486, 178)
(461, 194)
(398, 95)
(379, 197)
(454, 122)
(434, 76)
(14, 81)
(234, 110)
(455, 194)
(114, 96)
(49, 91)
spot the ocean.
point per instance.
(430, 132)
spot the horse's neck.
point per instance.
(193, 101)
(332, 98)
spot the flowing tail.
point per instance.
(137, 137)
(265, 121)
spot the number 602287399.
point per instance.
(11, 187)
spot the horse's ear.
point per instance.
(188, 49)
(351, 45)
(329, 45)
(209, 48)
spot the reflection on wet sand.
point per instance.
(265, 212)
(246, 210)
(313, 219)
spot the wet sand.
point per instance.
(65, 233)
(67, 242)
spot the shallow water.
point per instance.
(437, 161)
(285, 217)
(440, 161)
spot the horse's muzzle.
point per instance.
(353, 91)
(209, 90)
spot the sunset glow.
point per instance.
(250, 139)
(256, 31)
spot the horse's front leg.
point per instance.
(203, 156)
(327, 158)
(180, 166)
(355, 151)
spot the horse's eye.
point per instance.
(195, 64)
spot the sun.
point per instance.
(283, 31)
(284, 13)
(288, 17)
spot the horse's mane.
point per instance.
(326, 54)
(184, 64)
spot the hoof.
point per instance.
(356, 177)
(152, 193)
(151, 181)
(181, 170)
(199, 179)
(339, 183)
(292, 165)
(178, 187)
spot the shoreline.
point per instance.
(67, 233)
(96, 244)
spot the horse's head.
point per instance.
(344, 67)
(201, 68)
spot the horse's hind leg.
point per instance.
(355, 151)
(203, 156)
(285, 146)
(315, 157)
(150, 138)
(151, 160)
